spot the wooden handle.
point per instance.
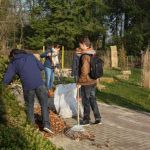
(78, 117)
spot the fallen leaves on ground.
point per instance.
(80, 135)
(59, 126)
(57, 123)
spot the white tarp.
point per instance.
(65, 100)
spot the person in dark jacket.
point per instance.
(88, 85)
(28, 68)
(75, 64)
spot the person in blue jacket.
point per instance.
(28, 68)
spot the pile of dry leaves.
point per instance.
(57, 123)
(59, 126)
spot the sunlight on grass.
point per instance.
(126, 93)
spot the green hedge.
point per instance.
(3, 65)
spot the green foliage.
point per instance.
(65, 21)
(36, 42)
(130, 24)
(3, 66)
(134, 44)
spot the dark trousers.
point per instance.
(89, 99)
(41, 93)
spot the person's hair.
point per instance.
(57, 46)
(14, 52)
(86, 41)
(48, 46)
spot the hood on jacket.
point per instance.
(18, 56)
(89, 52)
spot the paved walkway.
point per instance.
(121, 129)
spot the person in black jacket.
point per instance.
(75, 64)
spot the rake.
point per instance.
(78, 127)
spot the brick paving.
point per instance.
(121, 129)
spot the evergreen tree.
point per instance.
(65, 21)
(130, 24)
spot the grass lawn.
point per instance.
(126, 93)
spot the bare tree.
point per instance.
(11, 22)
(7, 24)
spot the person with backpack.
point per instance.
(87, 80)
(28, 68)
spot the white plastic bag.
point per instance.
(65, 100)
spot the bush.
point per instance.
(3, 66)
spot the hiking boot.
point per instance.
(48, 130)
(84, 123)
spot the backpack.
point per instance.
(96, 66)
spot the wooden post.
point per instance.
(62, 58)
(146, 69)
(43, 50)
(114, 56)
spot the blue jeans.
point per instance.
(41, 93)
(89, 99)
(49, 75)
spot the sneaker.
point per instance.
(47, 130)
(84, 123)
(97, 122)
